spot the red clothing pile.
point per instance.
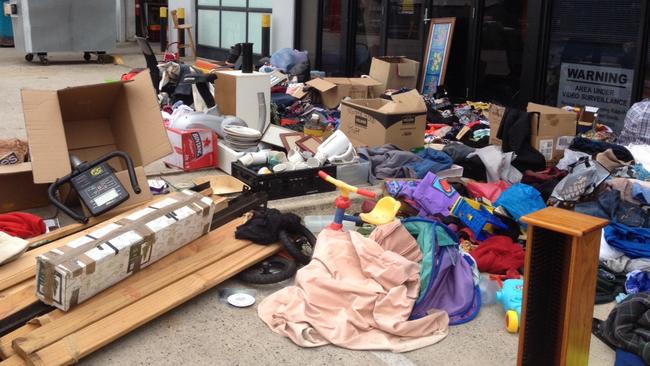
(499, 255)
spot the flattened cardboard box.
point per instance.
(115, 250)
(375, 122)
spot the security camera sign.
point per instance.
(608, 88)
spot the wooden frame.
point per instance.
(289, 140)
(436, 56)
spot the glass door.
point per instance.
(503, 32)
(592, 56)
(368, 34)
(460, 67)
(333, 37)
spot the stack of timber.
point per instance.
(55, 337)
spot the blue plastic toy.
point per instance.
(476, 219)
(511, 297)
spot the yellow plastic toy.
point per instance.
(383, 213)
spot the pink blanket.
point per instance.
(356, 293)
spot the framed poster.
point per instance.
(441, 31)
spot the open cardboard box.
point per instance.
(394, 72)
(91, 121)
(333, 90)
(374, 122)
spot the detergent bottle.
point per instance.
(511, 297)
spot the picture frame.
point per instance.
(436, 56)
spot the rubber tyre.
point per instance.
(29, 57)
(86, 56)
(281, 269)
(297, 251)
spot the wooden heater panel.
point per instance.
(559, 287)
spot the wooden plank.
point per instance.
(24, 267)
(205, 250)
(89, 339)
(6, 350)
(59, 233)
(5, 342)
(13, 361)
(15, 321)
(17, 297)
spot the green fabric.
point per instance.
(423, 233)
(442, 237)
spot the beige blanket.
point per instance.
(356, 293)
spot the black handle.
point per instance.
(129, 167)
(51, 193)
(54, 187)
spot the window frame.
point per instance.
(217, 53)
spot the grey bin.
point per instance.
(42, 26)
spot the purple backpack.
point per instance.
(452, 286)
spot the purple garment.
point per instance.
(435, 196)
(452, 288)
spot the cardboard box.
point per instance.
(552, 132)
(116, 249)
(17, 189)
(91, 121)
(236, 94)
(495, 115)
(374, 122)
(394, 72)
(333, 90)
(193, 149)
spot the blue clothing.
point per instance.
(432, 161)
(520, 200)
(634, 242)
(641, 193)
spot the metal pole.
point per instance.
(163, 29)
(181, 32)
(266, 35)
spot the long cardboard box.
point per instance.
(84, 266)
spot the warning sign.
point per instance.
(608, 88)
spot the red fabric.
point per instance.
(21, 224)
(499, 255)
(491, 191)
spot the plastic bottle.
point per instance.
(316, 223)
(489, 290)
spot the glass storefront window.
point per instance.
(233, 2)
(592, 53)
(260, 3)
(233, 29)
(255, 31)
(208, 28)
